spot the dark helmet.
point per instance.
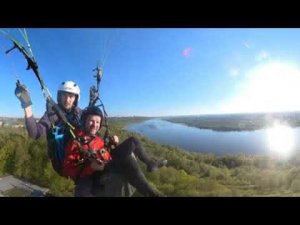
(91, 110)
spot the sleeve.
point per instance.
(37, 129)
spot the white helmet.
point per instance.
(70, 87)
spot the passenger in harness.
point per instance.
(90, 164)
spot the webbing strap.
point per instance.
(58, 137)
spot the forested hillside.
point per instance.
(187, 174)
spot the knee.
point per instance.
(83, 187)
(134, 140)
(82, 191)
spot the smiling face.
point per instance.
(92, 124)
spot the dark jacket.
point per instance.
(43, 126)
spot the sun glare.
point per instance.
(272, 87)
(280, 140)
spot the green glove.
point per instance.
(23, 95)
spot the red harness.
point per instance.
(79, 153)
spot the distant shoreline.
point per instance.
(238, 122)
(222, 123)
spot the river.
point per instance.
(209, 141)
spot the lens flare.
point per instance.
(281, 140)
(187, 52)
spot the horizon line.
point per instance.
(206, 114)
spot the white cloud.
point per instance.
(268, 88)
(234, 72)
(262, 56)
(246, 44)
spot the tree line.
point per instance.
(187, 173)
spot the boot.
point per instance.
(156, 164)
(142, 155)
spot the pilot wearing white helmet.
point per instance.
(51, 124)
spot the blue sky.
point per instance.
(161, 71)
